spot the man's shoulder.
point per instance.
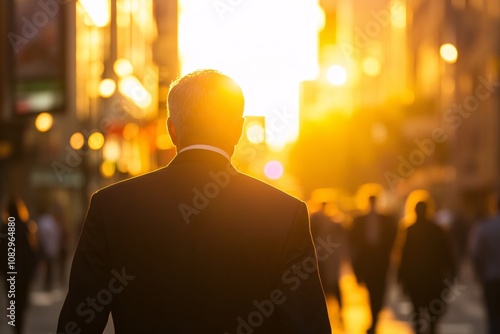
(251, 186)
(260, 188)
(131, 184)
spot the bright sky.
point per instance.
(267, 46)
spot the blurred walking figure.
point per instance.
(63, 244)
(326, 231)
(486, 258)
(426, 269)
(49, 235)
(372, 237)
(26, 254)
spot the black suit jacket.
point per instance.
(426, 261)
(371, 261)
(195, 247)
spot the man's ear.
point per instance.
(171, 131)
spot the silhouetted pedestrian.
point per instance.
(486, 258)
(61, 262)
(19, 230)
(372, 237)
(326, 230)
(50, 235)
(426, 270)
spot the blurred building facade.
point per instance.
(419, 105)
(104, 120)
(405, 96)
(461, 92)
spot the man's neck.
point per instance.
(206, 147)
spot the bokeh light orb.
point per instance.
(96, 141)
(449, 53)
(44, 122)
(123, 67)
(107, 87)
(336, 75)
(255, 133)
(111, 150)
(108, 168)
(273, 170)
(76, 140)
(130, 130)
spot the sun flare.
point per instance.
(267, 47)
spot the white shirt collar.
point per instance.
(208, 148)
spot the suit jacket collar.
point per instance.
(206, 147)
(200, 155)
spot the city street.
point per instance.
(187, 142)
(465, 314)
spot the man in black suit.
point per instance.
(372, 237)
(196, 247)
(426, 270)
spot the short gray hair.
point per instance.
(203, 105)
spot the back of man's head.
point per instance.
(205, 107)
(421, 210)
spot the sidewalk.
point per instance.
(42, 314)
(465, 315)
(356, 313)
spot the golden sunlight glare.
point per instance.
(337, 75)
(132, 88)
(371, 66)
(398, 14)
(268, 47)
(255, 133)
(98, 11)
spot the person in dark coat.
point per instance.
(18, 234)
(327, 231)
(426, 270)
(196, 246)
(486, 259)
(372, 238)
